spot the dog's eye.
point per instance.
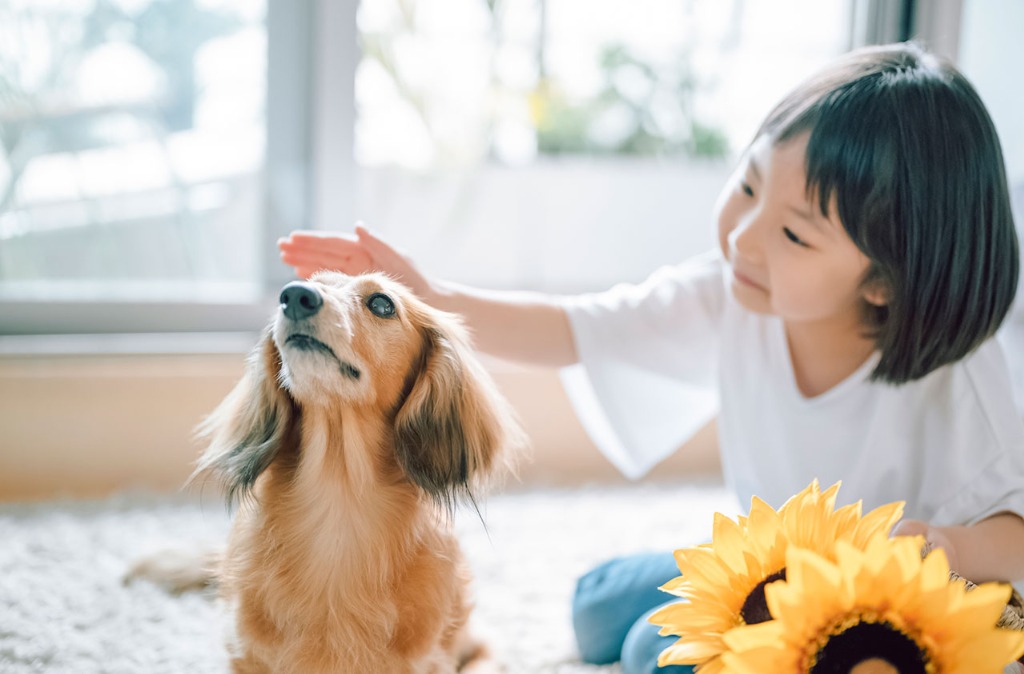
(381, 305)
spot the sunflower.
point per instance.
(882, 609)
(724, 581)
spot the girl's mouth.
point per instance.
(746, 280)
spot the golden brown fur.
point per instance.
(345, 462)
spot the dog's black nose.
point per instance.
(300, 300)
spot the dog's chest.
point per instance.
(326, 582)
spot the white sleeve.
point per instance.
(1011, 337)
(647, 373)
(997, 484)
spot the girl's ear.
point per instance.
(252, 426)
(875, 291)
(878, 297)
(453, 425)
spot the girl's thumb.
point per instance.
(380, 250)
(366, 237)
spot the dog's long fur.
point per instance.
(345, 456)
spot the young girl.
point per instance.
(867, 255)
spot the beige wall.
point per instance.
(90, 425)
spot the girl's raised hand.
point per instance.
(311, 251)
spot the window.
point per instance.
(151, 151)
(565, 145)
(131, 150)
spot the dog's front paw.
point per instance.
(483, 667)
(477, 658)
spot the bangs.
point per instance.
(852, 148)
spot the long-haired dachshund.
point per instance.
(362, 420)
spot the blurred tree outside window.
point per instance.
(448, 83)
(131, 142)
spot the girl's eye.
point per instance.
(746, 189)
(381, 305)
(793, 237)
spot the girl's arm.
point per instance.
(526, 327)
(991, 550)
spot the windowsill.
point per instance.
(63, 317)
(126, 344)
(108, 347)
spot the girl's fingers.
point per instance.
(309, 251)
(373, 244)
(348, 264)
(386, 257)
(329, 259)
(313, 263)
(910, 528)
(325, 250)
(316, 241)
(362, 233)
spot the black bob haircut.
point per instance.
(901, 143)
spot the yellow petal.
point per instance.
(729, 542)
(984, 604)
(686, 618)
(747, 637)
(689, 652)
(762, 660)
(988, 653)
(700, 565)
(880, 520)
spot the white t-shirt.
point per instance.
(659, 359)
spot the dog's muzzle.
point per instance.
(300, 301)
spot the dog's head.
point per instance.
(341, 341)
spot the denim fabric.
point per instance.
(643, 645)
(610, 611)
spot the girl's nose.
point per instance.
(745, 237)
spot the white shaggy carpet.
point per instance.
(63, 608)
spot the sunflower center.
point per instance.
(865, 644)
(755, 606)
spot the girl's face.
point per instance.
(787, 258)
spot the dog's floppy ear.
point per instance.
(453, 425)
(256, 422)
